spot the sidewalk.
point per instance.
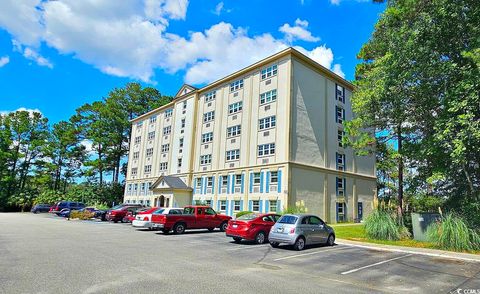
(412, 250)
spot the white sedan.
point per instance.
(144, 220)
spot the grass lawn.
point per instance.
(356, 232)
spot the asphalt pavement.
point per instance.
(46, 254)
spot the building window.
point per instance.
(210, 96)
(209, 182)
(163, 166)
(224, 181)
(129, 189)
(165, 147)
(142, 188)
(207, 138)
(339, 114)
(209, 116)
(139, 124)
(272, 206)
(149, 152)
(341, 133)
(198, 183)
(236, 205)
(256, 205)
(238, 180)
(208, 202)
(179, 162)
(267, 122)
(223, 205)
(205, 159)
(236, 85)
(340, 187)
(184, 105)
(135, 187)
(340, 93)
(147, 202)
(266, 149)
(168, 113)
(256, 178)
(180, 142)
(235, 107)
(153, 119)
(138, 140)
(268, 96)
(233, 154)
(136, 155)
(148, 168)
(134, 171)
(340, 161)
(151, 135)
(273, 177)
(167, 130)
(183, 123)
(269, 71)
(234, 131)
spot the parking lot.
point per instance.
(46, 254)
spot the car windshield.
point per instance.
(117, 207)
(249, 216)
(288, 219)
(189, 210)
(159, 211)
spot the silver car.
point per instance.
(300, 230)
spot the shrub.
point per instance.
(240, 213)
(83, 215)
(382, 225)
(298, 208)
(452, 233)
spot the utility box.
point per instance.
(420, 223)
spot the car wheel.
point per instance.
(179, 229)
(260, 238)
(223, 226)
(165, 231)
(331, 240)
(274, 244)
(237, 239)
(299, 244)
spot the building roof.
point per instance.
(172, 182)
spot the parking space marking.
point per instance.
(375, 264)
(310, 253)
(247, 247)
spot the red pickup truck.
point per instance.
(193, 217)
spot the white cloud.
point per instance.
(337, 68)
(88, 145)
(130, 38)
(335, 2)
(29, 110)
(4, 60)
(219, 8)
(22, 19)
(298, 32)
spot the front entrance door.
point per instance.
(161, 201)
(360, 210)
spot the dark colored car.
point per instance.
(72, 205)
(252, 227)
(41, 208)
(117, 213)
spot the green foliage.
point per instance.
(382, 225)
(49, 197)
(425, 203)
(452, 233)
(298, 208)
(240, 213)
(83, 215)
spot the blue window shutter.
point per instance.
(261, 181)
(337, 211)
(226, 208)
(213, 184)
(336, 186)
(251, 183)
(243, 183)
(241, 205)
(279, 184)
(228, 184)
(336, 160)
(250, 205)
(193, 201)
(267, 187)
(220, 178)
(232, 183)
(202, 191)
(267, 205)
(279, 206)
(345, 187)
(336, 114)
(344, 162)
(194, 185)
(232, 206)
(218, 205)
(260, 204)
(343, 114)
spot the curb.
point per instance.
(417, 251)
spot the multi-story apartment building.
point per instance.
(261, 139)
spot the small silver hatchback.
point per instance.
(300, 230)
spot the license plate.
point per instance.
(234, 226)
(280, 230)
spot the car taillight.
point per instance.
(146, 218)
(292, 231)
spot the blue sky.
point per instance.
(57, 55)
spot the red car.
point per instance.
(132, 214)
(193, 217)
(252, 227)
(117, 213)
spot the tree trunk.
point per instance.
(400, 173)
